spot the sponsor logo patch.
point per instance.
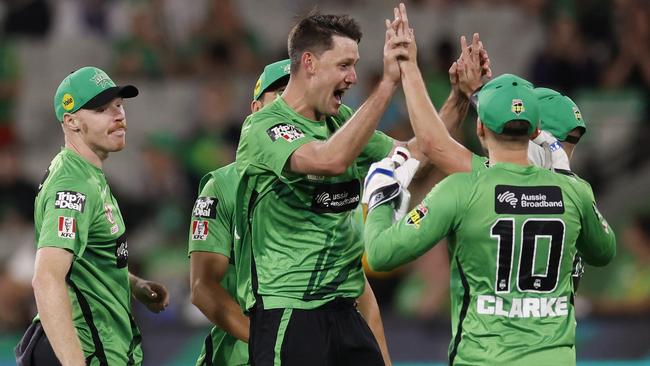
(284, 131)
(416, 215)
(528, 200)
(70, 200)
(67, 227)
(114, 229)
(336, 197)
(121, 251)
(205, 207)
(199, 230)
(67, 102)
(517, 106)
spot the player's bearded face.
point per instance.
(334, 74)
(104, 128)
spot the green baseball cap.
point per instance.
(272, 73)
(507, 98)
(88, 88)
(559, 115)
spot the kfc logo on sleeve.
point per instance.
(199, 230)
(67, 227)
(70, 200)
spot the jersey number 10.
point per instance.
(527, 281)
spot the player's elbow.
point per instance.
(375, 261)
(195, 290)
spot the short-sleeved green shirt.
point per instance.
(513, 234)
(212, 231)
(299, 229)
(75, 210)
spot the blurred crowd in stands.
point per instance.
(198, 61)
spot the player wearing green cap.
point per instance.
(301, 160)
(513, 231)
(81, 280)
(212, 273)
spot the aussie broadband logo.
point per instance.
(508, 197)
(70, 200)
(528, 200)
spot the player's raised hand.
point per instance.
(469, 69)
(405, 30)
(394, 50)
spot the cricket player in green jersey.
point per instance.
(81, 280)
(212, 275)
(513, 231)
(301, 160)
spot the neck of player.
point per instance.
(94, 156)
(297, 97)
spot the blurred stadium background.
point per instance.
(195, 63)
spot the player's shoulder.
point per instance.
(273, 111)
(69, 173)
(224, 176)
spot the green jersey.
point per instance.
(75, 210)
(212, 231)
(513, 234)
(298, 231)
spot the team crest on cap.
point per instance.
(101, 79)
(67, 102)
(576, 112)
(517, 106)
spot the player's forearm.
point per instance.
(369, 309)
(433, 138)
(348, 142)
(454, 111)
(55, 313)
(382, 253)
(221, 309)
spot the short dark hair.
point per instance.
(514, 131)
(314, 33)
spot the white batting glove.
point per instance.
(558, 155)
(380, 185)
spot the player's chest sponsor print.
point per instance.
(70, 200)
(285, 131)
(205, 207)
(199, 230)
(67, 227)
(528, 200)
(336, 197)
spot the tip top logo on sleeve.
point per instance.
(67, 227)
(70, 200)
(517, 106)
(199, 230)
(285, 131)
(205, 207)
